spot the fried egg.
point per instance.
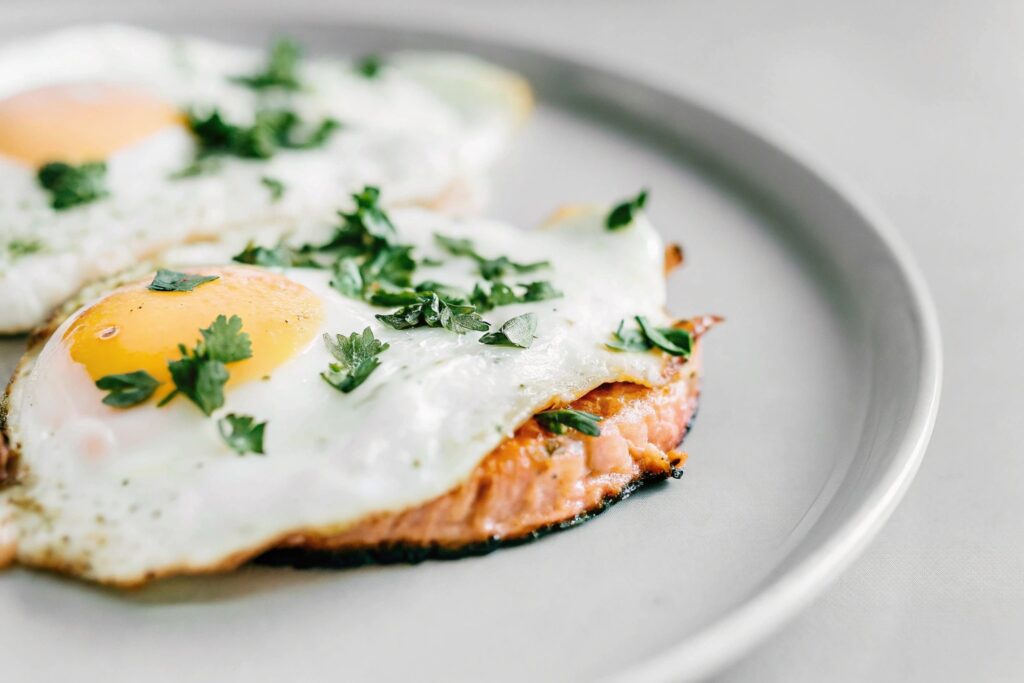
(124, 495)
(424, 126)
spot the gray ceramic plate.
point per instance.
(819, 399)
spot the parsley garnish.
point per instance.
(21, 248)
(501, 294)
(281, 256)
(271, 130)
(242, 433)
(557, 421)
(73, 185)
(173, 281)
(623, 214)
(518, 331)
(280, 71)
(127, 389)
(275, 186)
(368, 260)
(490, 268)
(433, 311)
(356, 357)
(369, 66)
(201, 373)
(672, 340)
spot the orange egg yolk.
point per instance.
(135, 328)
(78, 123)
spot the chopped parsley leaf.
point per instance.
(369, 66)
(672, 340)
(433, 311)
(490, 268)
(347, 278)
(201, 373)
(21, 248)
(623, 214)
(173, 281)
(280, 71)
(501, 294)
(127, 389)
(557, 421)
(356, 357)
(73, 185)
(275, 186)
(198, 167)
(281, 256)
(242, 433)
(518, 331)
(271, 130)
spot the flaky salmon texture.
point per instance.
(534, 481)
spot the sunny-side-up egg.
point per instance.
(116, 143)
(152, 486)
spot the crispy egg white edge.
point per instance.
(438, 404)
(473, 107)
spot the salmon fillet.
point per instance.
(533, 482)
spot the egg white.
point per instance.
(428, 123)
(165, 495)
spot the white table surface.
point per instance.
(921, 104)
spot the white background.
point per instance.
(921, 104)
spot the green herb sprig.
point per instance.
(624, 213)
(558, 421)
(356, 357)
(490, 268)
(242, 433)
(518, 331)
(672, 340)
(369, 66)
(70, 185)
(201, 373)
(271, 131)
(173, 281)
(500, 294)
(281, 70)
(127, 389)
(433, 311)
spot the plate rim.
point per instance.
(740, 628)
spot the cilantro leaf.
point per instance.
(275, 186)
(672, 340)
(558, 421)
(127, 389)
(280, 71)
(623, 214)
(201, 373)
(369, 66)
(73, 185)
(490, 268)
(242, 433)
(173, 281)
(518, 331)
(356, 357)
(433, 311)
